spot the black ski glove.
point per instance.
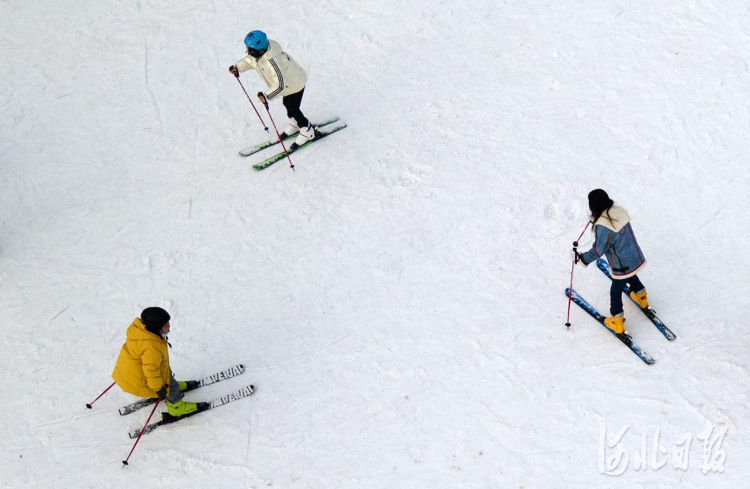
(162, 393)
(233, 70)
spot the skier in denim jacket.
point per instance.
(614, 238)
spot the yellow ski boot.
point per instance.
(616, 323)
(181, 408)
(187, 385)
(640, 298)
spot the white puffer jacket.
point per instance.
(281, 74)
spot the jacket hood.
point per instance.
(615, 219)
(137, 331)
(274, 49)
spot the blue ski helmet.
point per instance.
(256, 41)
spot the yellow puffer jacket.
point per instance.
(143, 365)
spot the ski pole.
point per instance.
(265, 127)
(125, 462)
(88, 405)
(572, 267)
(273, 123)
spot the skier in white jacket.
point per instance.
(283, 76)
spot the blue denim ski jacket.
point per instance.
(615, 239)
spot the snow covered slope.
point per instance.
(398, 299)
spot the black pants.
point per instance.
(292, 103)
(615, 292)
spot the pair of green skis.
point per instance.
(281, 155)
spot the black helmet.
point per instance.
(154, 318)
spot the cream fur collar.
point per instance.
(618, 218)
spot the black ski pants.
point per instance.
(292, 103)
(615, 292)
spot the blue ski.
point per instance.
(650, 313)
(624, 337)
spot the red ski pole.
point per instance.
(88, 405)
(125, 462)
(237, 76)
(572, 267)
(281, 140)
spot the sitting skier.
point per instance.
(283, 76)
(142, 369)
(615, 239)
